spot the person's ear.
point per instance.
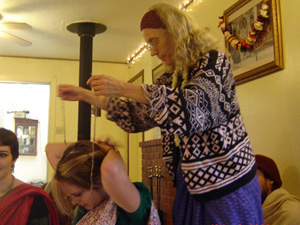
(270, 184)
(13, 165)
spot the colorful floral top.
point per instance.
(214, 147)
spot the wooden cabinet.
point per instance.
(26, 131)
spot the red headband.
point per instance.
(268, 166)
(151, 20)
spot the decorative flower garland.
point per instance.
(249, 41)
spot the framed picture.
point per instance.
(265, 55)
(26, 131)
(157, 72)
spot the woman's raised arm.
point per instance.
(117, 183)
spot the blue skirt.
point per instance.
(242, 206)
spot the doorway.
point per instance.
(28, 101)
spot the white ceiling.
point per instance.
(51, 39)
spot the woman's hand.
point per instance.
(104, 85)
(107, 86)
(106, 146)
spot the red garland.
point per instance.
(257, 29)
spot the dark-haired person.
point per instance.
(279, 206)
(20, 203)
(206, 148)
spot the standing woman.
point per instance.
(20, 203)
(206, 148)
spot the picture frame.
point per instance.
(157, 72)
(266, 56)
(26, 132)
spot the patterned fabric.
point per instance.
(153, 217)
(120, 112)
(104, 214)
(215, 151)
(242, 206)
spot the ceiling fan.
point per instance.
(13, 38)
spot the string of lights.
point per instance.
(186, 4)
(142, 49)
(138, 53)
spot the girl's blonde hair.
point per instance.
(75, 168)
(190, 42)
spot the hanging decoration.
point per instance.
(250, 40)
(142, 49)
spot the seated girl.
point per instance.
(93, 177)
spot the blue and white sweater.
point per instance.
(215, 151)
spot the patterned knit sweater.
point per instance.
(214, 148)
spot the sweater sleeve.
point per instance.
(131, 116)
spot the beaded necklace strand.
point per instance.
(8, 188)
(93, 145)
(94, 138)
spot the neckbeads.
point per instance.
(8, 188)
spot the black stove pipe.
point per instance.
(86, 31)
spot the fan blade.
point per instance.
(12, 25)
(15, 39)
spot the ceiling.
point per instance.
(51, 39)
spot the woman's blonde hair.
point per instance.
(190, 42)
(75, 168)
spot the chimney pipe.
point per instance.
(86, 31)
